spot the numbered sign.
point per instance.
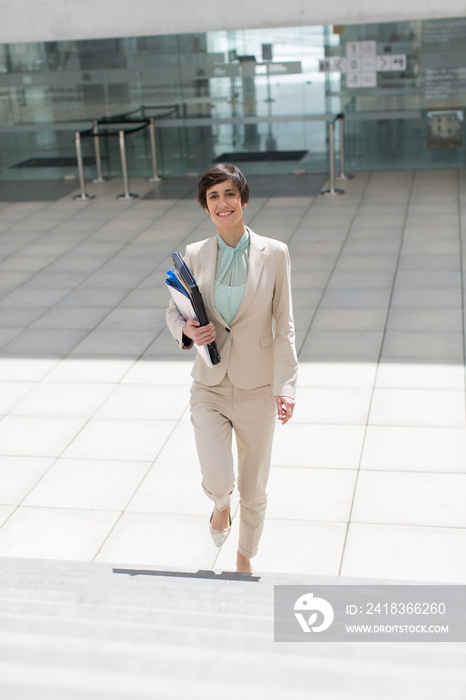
(362, 64)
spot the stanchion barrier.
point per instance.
(331, 190)
(84, 197)
(343, 175)
(98, 161)
(146, 120)
(112, 128)
(127, 195)
(153, 148)
(143, 111)
(167, 111)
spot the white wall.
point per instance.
(49, 20)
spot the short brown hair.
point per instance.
(220, 173)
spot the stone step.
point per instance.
(88, 590)
(209, 637)
(86, 582)
(326, 670)
(234, 628)
(437, 658)
(145, 575)
(20, 691)
(81, 630)
(334, 672)
(236, 617)
(27, 574)
(49, 682)
(213, 601)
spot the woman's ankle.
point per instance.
(243, 564)
(220, 518)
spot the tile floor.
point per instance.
(97, 458)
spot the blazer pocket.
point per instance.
(266, 341)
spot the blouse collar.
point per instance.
(241, 245)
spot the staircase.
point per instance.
(87, 631)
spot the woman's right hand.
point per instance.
(202, 335)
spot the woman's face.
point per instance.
(224, 204)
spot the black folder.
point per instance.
(197, 301)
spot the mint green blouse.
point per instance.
(231, 276)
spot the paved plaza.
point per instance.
(97, 456)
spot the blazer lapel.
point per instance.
(208, 265)
(256, 264)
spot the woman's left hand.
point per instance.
(285, 407)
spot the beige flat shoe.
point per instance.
(219, 536)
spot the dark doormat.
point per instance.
(260, 156)
(36, 190)
(286, 185)
(174, 188)
(64, 162)
(261, 186)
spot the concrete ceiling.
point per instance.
(52, 20)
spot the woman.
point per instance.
(245, 282)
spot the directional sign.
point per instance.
(353, 48)
(353, 80)
(325, 66)
(354, 64)
(369, 79)
(340, 65)
(362, 64)
(398, 62)
(368, 48)
(383, 63)
(369, 64)
(333, 65)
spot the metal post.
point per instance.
(99, 179)
(155, 177)
(127, 194)
(343, 175)
(331, 190)
(79, 157)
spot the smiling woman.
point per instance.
(245, 282)
(224, 192)
(225, 207)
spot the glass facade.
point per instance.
(260, 97)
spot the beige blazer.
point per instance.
(258, 347)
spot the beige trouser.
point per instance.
(215, 412)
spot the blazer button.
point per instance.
(227, 330)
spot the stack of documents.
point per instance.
(188, 299)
